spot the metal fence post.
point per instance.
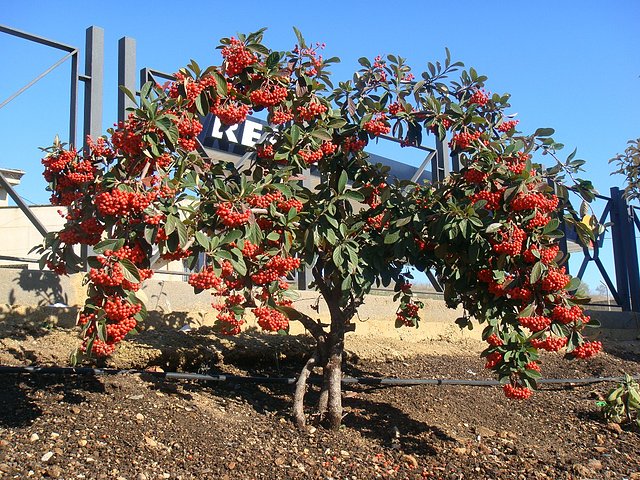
(126, 74)
(94, 69)
(631, 256)
(618, 237)
(440, 168)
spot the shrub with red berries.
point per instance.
(488, 233)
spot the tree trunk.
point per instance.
(333, 378)
(301, 389)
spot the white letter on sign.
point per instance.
(251, 133)
(216, 131)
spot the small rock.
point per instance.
(82, 442)
(485, 432)
(75, 410)
(136, 397)
(231, 465)
(139, 417)
(47, 456)
(312, 430)
(34, 438)
(583, 471)
(594, 464)
(54, 435)
(634, 476)
(54, 471)
(614, 427)
(460, 451)
(141, 476)
(344, 453)
(410, 459)
(5, 468)
(279, 461)
(600, 439)
(600, 449)
(150, 442)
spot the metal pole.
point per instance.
(631, 255)
(94, 69)
(440, 164)
(126, 74)
(73, 100)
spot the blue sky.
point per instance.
(571, 65)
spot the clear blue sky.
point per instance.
(570, 65)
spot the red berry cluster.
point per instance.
(263, 201)
(555, 280)
(177, 255)
(110, 275)
(188, 128)
(474, 176)
(587, 350)
(310, 157)
(249, 250)
(353, 144)
(516, 392)
(407, 313)
(118, 309)
(532, 200)
(535, 323)
(494, 199)
(508, 125)
(377, 125)
(463, 140)
(550, 344)
(493, 359)
(394, 108)
(237, 57)
(567, 315)
(230, 112)
(533, 366)
(479, 97)
(494, 340)
(539, 220)
(127, 138)
(545, 255)
(205, 279)
(311, 110)
(265, 151)
(275, 268)
(230, 217)
(521, 293)
(510, 242)
(328, 148)
(280, 116)
(270, 319)
(268, 95)
(121, 203)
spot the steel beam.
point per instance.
(36, 38)
(126, 74)
(618, 231)
(23, 206)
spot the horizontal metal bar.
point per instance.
(36, 38)
(399, 140)
(19, 259)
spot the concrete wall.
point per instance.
(174, 304)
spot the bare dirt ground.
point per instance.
(140, 427)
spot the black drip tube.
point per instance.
(396, 382)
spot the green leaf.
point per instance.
(536, 272)
(544, 132)
(170, 224)
(203, 240)
(182, 233)
(494, 227)
(114, 244)
(130, 271)
(392, 237)
(342, 181)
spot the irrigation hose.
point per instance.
(396, 382)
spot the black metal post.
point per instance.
(126, 74)
(631, 256)
(94, 69)
(618, 231)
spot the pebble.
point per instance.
(47, 456)
(139, 417)
(5, 468)
(54, 435)
(485, 432)
(34, 438)
(54, 471)
(82, 442)
(594, 464)
(75, 410)
(141, 476)
(410, 459)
